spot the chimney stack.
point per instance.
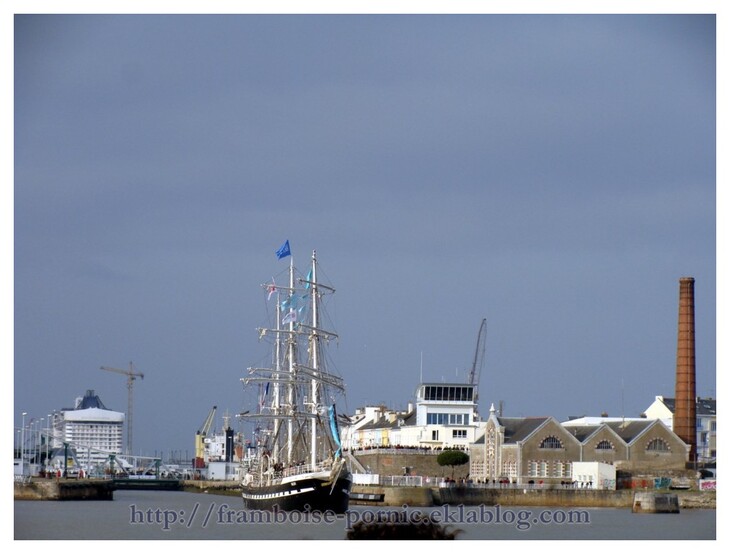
(685, 419)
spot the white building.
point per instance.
(594, 475)
(445, 416)
(90, 428)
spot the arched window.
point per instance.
(657, 445)
(551, 442)
(604, 445)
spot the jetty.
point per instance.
(138, 484)
(64, 489)
(87, 489)
(655, 503)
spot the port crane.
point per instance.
(131, 374)
(202, 432)
(476, 368)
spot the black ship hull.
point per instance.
(306, 494)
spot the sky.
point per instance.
(554, 174)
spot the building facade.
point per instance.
(444, 416)
(543, 450)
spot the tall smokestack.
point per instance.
(685, 419)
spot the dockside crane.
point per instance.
(131, 374)
(476, 368)
(200, 436)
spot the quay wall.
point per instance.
(393, 496)
(562, 498)
(390, 462)
(473, 496)
(231, 488)
(64, 490)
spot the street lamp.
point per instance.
(22, 446)
(40, 443)
(48, 438)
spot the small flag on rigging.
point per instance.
(291, 317)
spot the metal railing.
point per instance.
(391, 450)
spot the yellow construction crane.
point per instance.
(202, 432)
(131, 376)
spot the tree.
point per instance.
(452, 458)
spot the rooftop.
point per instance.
(705, 406)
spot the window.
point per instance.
(562, 469)
(448, 394)
(434, 435)
(657, 445)
(509, 468)
(447, 419)
(551, 442)
(604, 445)
(458, 434)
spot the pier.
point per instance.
(64, 489)
(655, 503)
(87, 489)
(141, 484)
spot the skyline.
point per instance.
(552, 174)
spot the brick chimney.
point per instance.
(685, 419)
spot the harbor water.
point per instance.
(160, 515)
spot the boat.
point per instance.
(294, 460)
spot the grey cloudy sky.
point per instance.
(553, 174)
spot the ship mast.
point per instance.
(276, 402)
(292, 370)
(314, 345)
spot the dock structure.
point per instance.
(655, 503)
(64, 489)
(87, 489)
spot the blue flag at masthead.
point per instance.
(284, 251)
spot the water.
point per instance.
(153, 515)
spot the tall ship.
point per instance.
(294, 459)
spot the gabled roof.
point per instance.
(386, 423)
(631, 429)
(380, 423)
(519, 428)
(586, 432)
(409, 419)
(582, 432)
